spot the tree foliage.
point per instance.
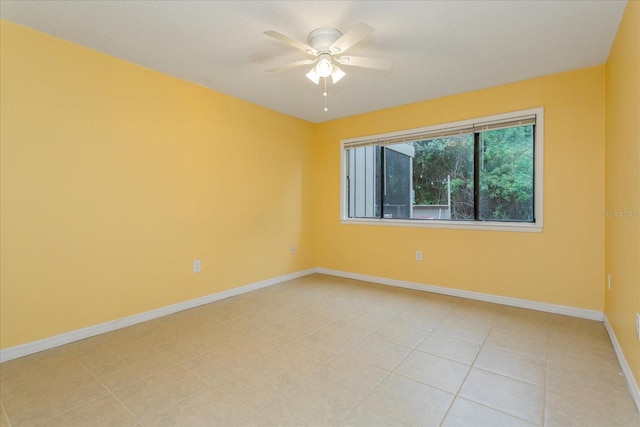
(437, 159)
(505, 169)
(506, 174)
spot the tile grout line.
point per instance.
(275, 398)
(389, 372)
(472, 366)
(211, 385)
(4, 412)
(46, 383)
(332, 358)
(457, 393)
(89, 401)
(254, 411)
(138, 421)
(73, 358)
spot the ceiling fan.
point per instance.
(328, 46)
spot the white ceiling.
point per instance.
(438, 48)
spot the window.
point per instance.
(484, 173)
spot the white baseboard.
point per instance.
(80, 334)
(626, 369)
(514, 302)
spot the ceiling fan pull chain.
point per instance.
(326, 108)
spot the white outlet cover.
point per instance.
(418, 255)
(197, 266)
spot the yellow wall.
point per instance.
(622, 175)
(114, 178)
(562, 265)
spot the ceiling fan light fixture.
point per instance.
(324, 45)
(324, 67)
(313, 76)
(337, 74)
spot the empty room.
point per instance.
(319, 213)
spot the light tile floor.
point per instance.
(322, 351)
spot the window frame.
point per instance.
(535, 227)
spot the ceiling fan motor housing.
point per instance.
(321, 39)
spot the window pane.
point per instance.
(396, 193)
(443, 178)
(363, 178)
(506, 174)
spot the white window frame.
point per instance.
(535, 227)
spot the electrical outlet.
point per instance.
(197, 266)
(638, 325)
(293, 250)
(609, 281)
(418, 255)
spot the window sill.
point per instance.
(451, 225)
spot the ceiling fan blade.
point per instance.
(365, 62)
(291, 42)
(351, 37)
(289, 66)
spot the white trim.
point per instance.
(626, 369)
(468, 225)
(80, 334)
(451, 225)
(497, 299)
